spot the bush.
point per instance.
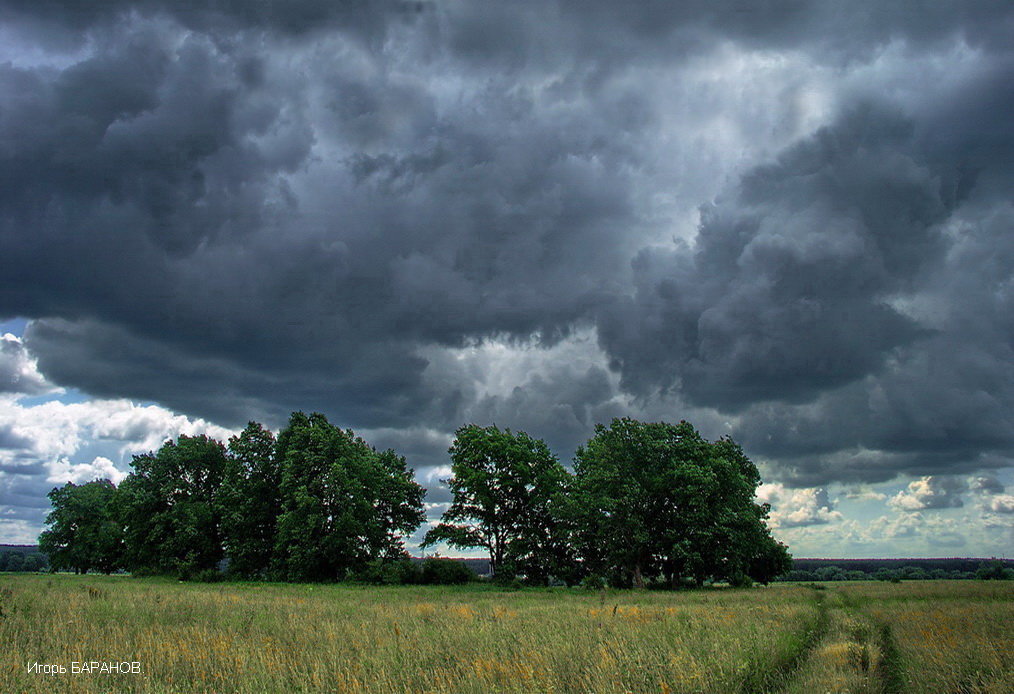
(437, 571)
(740, 580)
(390, 572)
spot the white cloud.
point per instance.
(55, 429)
(864, 494)
(1001, 503)
(436, 474)
(930, 492)
(793, 508)
(56, 442)
(101, 467)
(16, 531)
(19, 372)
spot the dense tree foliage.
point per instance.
(249, 502)
(343, 503)
(170, 510)
(84, 534)
(13, 560)
(657, 500)
(505, 488)
(647, 503)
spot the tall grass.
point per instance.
(949, 636)
(274, 638)
(307, 638)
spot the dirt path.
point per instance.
(854, 655)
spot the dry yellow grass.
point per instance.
(950, 636)
(304, 638)
(275, 638)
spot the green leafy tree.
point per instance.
(506, 487)
(343, 503)
(995, 571)
(250, 502)
(84, 534)
(169, 508)
(35, 561)
(657, 500)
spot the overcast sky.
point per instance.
(790, 222)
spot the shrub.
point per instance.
(438, 571)
(390, 572)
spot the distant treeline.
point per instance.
(898, 569)
(646, 503)
(22, 558)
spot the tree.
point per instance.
(15, 561)
(170, 510)
(249, 502)
(994, 570)
(35, 561)
(343, 503)
(658, 500)
(505, 488)
(83, 534)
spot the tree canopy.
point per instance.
(646, 502)
(84, 534)
(170, 510)
(659, 500)
(343, 503)
(505, 487)
(249, 502)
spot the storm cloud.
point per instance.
(791, 226)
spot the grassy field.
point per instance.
(857, 637)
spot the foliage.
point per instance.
(440, 571)
(249, 502)
(12, 560)
(170, 510)
(994, 570)
(343, 504)
(83, 533)
(657, 499)
(649, 503)
(506, 486)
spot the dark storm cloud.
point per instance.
(239, 209)
(290, 16)
(785, 293)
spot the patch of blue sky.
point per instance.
(68, 396)
(15, 326)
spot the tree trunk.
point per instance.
(638, 578)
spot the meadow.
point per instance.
(939, 636)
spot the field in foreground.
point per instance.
(936, 636)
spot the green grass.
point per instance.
(310, 638)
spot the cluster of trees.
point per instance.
(645, 503)
(13, 560)
(315, 504)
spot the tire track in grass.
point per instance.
(849, 656)
(892, 679)
(764, 677)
